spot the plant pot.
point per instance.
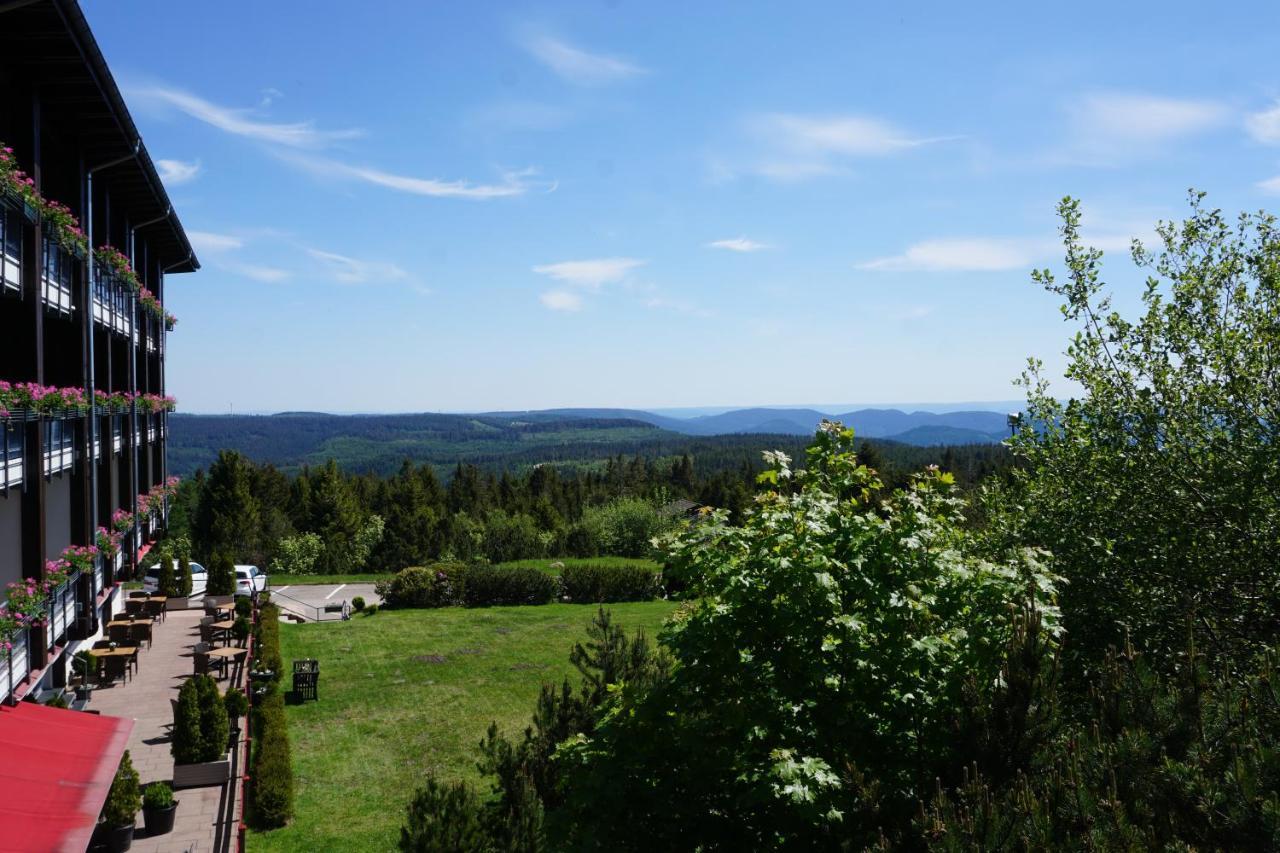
(159, 821)
(177, 602)
(119, 838)
(204, 773)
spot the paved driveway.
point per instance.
(307, 599)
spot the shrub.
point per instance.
(444, 817)
(58, 701)
(358, 603)
(158, 795)
(124, 799)
(240, 629)
(624, 527)
(297, 555)
(244, 607)
(187, 740)
(598, 583)
(267, 651)
(166, 581)
(486, 586)
(273, 767)
(214, 727)
(437, 585)
(222, 576)
(371, 610)
(236, 703)
(184, 568)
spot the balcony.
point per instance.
(62, 610)
(59, 446)
(57, 278)
(111, 303)
(16, 666)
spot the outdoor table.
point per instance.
(225, 627)
(118, 651)
(231, 654)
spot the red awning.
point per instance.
(56, 768)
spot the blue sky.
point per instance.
(406, 206)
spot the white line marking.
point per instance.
(335, 592)
(281, 589)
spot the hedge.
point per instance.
(597, 583)
(486, 586)
(273, 764)
(437, 585)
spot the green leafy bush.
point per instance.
(437, 585)
(222, 576)
(158, 795)
(166, 581)
(240, 629)
(371, 610)
(244, 607)
(624, 527)
(273, 767)
(214, 727)
(297, 555)
(236, 702)
(445, 818)
(358, 603)
(124, 798)
(267, 648)
(184, 569)
(597, 583)
(187, 740)
(487, 586)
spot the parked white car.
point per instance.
(199, 578)
(249, 580)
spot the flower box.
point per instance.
(202, 774)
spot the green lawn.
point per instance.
(411, 691)
(278, 581)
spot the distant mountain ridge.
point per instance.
(919, 427)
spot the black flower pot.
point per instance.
(120, 838)
(159, 821)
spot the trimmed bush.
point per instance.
(371, 610)
(158, 795)
(236, 704)
(358, 603)
(166, 582)
(486, 586)
(244, 607)
(240, 629)
(267, 652)
(437, 585)
(273, 765)
(597, 583)
(124, 799)
(187, 741)
(214, 726)
(184, 569)
(222, 576)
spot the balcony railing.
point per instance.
(62, 610)
(99, 573)
(15, 664)
(57, 277)
(10, 249)
(12, 444)
(59, 446)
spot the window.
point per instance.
(11, 447)
(59, 446)
(10, 249)
(58, 271)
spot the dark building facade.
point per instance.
(87, 238)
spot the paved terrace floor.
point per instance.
(207, 818)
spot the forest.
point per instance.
(327, 519)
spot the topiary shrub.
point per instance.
(371, 610)
(273, 767)
(236, 703)
(124, 799)
(437, 585)
(487, 586)
(214, 726)
(267, 649)
(166, 582)
(598, 583)
(184, 569)
(222, 576)
(187, 740)
(244, 607)
(358, 603)
(240, 629)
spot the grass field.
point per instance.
(411, 691)
(545, 564)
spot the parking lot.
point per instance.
(310, 600)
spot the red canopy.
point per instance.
(56, 767)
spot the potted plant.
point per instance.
(121, 809)
(158, 808)
(237, 706)
(84, 665)
(200, 729)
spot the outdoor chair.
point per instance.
(102, 644)
(118, 633)
(133, 659)
(155, 609)
(201, 659)
(140, 631)
(115, 666)
(134, 606)
(138, 593)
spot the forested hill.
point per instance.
(378, 444)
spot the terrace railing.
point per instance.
(62, 610)
(111, 303)
(14, 665)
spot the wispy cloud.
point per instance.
(257, 272)
(576, 65)
(792, 147)
(678, 306)
(1109, 128)
(964, 254)
(513, 183)
(241, 122)
(561, 300)
(356, 271)
(738, 244)
(207, 241)
(1264, 125)
(590, 274)
(1271, 185)
(177, 171)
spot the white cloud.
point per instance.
(513, 184)
(1264, 125)
(590, 274)
(1271, 185)
(241, 123)
(962, 254)
(177, 171)
(1115, 118)
(355, 271)
(257, 272)
(207, 241)
(738, 244)
(679, 306)
(577, 65)
(561, 300)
